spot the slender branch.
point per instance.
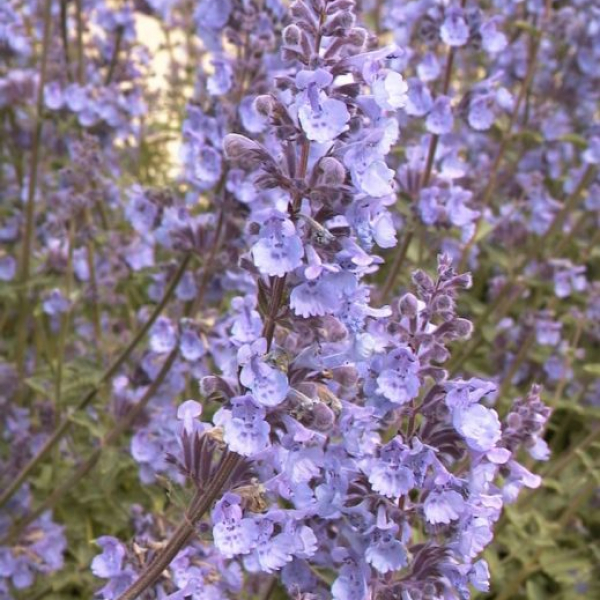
(80, 56)
(66, 423)
(396, 266)
(516, 363)
(65, 321)
(200, 504)
(569, 205)
(115, 56)
(279, 284)
(31, 191)
(65, 37)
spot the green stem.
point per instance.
(66, 423)
(569, 205)
(64, 321)
(91, 262)
(516, 363)
(23, 318)
(397, 265)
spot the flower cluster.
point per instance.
(344, 409)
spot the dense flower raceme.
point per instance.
(344, 409)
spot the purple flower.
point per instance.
(325, 120)
(440, 121)
(481, 116)
(188, 412)
(142, 213)
(389, 90)
(479, 426)
(163, 336)
(398, 381)
(233, 534)
(479, 576)
(8, 268)
(269, 385)
(454, 30)
(443, 506)
(221, 80)
(419, 101)
(244, 429)
(279, 249)
(492, 40)
(272, 550)
(191, 345)
(387, 474)
(55, 303)
(110, 563)
(351, 583)
(315, 298)
(385, 552)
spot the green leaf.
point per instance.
(592, 369)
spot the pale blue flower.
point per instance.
(479, 426)
(389, 90)
(326, 122)
(443, 506)
(279, 249)
(454, 30)
(440, 121)
(244, 429)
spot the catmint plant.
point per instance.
(303, 312)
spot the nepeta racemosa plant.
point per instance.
(283, 334)
(341, 447)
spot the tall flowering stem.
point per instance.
(25, 263)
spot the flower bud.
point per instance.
(358, 37)
(292, 35)
(408, 305)
(421, 279)
(462, 282)
(250, 155)
(215, 387)
(264, 105)
(443, 303)
(236, 146)
(339, 23)
(338, 5)
(463, 327)
(322, 417)
(333, 172)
